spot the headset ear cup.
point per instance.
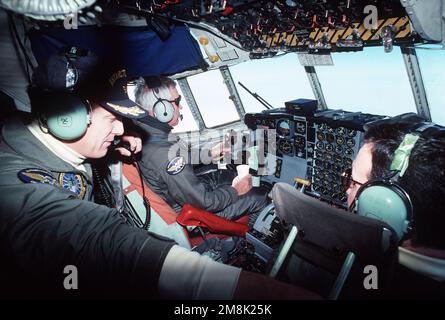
(67, 116)
(163, 111)
(386, 202)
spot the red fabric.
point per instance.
(156, 202)
(190, 216)
(167, 213)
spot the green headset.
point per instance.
(66, 115)
(63, 113)
(384, 198)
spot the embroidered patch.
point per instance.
(73, 182)
(132, 111)
(36, 176)
(175, 165)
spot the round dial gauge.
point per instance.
(300, 127)
(283, 127)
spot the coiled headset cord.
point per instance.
(103, 195)
(146, 201)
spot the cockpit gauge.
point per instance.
(285, 146)
(329, 147)
(300, 127)
(320, 145)
(328, 156)
(349, 152)
(351, 133)
(341, 131)
(330, 138)
(320, 136)
(350, 143)
(283, 128)
(299, 140)
(331, 130)
(340, 140)
(322, 127)
(338, 149)
(338, 159)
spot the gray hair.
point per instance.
(147, 96)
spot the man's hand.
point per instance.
(219, 149)
(242, 185)
(135, 145)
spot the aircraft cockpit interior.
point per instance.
(300, 138)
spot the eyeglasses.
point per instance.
(347, 181)
(176, 101)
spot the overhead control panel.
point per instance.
(317, 147)
(265, 27)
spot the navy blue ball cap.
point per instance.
(112, 95)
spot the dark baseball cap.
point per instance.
(112, 95)
(81, 72)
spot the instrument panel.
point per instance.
(317, 147)
(335, 149)
(266, 27)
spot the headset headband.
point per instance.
(400, 161)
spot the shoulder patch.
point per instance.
(73, 182)
(175, 165)
(36, 176)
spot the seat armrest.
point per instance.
(191, 216)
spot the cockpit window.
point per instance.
(213, 98)
(187, 123)
(276, 80)
(432, 64)
(370, 81)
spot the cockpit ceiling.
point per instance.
(266, 27)
(294, 25)
(261, 27)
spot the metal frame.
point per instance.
(316, 86)
(234, 96)
(416, 81)
(188, 95)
